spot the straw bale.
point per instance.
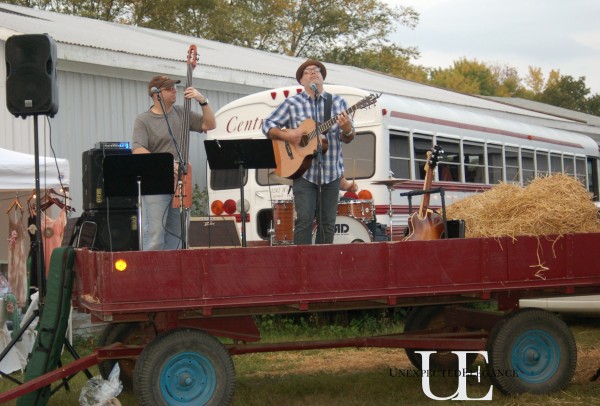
(554, 204)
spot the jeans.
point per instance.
(307, 209)
(161, 223)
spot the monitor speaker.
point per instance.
(31, 87)
(116, 230)
(93, 182)
(213, 232)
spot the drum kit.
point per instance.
(350, 223)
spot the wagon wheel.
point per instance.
(537, 347)
(184, 367)
(128, 334)
(432, 317)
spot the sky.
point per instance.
(562, 35)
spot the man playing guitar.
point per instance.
(292, 124)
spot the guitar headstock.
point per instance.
(433, 156)
(368, 101)
(192, 57)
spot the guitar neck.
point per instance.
(185, 122)
(326, 125)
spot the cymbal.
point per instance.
(389, 182)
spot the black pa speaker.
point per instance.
(93, 182)
(31, 87)
(116, 230)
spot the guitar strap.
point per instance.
(328, 100)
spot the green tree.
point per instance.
(565, 91)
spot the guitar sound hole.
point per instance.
(304, 141)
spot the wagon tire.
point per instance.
(128, 334)
(184, 367)
(431, 317)
(531, 351)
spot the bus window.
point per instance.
(449, 165)
(555, 163)
(541, 160)
(267, 177)
(569, 164)
(474, 162)
(359, 156)
(527, 165)
(421, 144)
(511, 157)
(221, 179)
(400, 154)
(494, 157)
(592, 170)
(580, 170)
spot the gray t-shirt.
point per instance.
(150, 130)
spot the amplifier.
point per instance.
(116, 230)
(113, 145)
(213, 232)
(93, 182)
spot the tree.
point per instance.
(476, 78)
(565, 91)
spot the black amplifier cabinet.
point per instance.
(116, 230)
(93, 181)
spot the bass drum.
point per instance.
(347, 230)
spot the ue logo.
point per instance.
(462, 373)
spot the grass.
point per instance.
(359, 376)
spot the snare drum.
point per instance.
(358, 209)
(347, 230)
(283, 221)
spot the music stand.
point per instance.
(138, 175)
(240, 154)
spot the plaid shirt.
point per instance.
(293, 111)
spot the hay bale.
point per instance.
(555, 204)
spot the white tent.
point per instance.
(17, 178)
(17, 171)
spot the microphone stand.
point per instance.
(180, 171)
(319, 166)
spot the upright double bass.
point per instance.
(183, 185)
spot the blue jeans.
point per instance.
(307, 209)
(161, 223)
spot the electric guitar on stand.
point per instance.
(293, 160)
(183, 190)
(427, 224)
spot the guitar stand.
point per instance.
(439, 190)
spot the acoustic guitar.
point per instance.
(183, 192)
(293, 160)
(426, 224)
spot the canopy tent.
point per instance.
(17, 174)
(17, 171)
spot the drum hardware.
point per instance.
(390, 184)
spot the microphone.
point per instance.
(314, 88)
(155, 90)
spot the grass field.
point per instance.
(363, 377)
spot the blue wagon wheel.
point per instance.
(531, 351)
(184, 367)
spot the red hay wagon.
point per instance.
(168, 308)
